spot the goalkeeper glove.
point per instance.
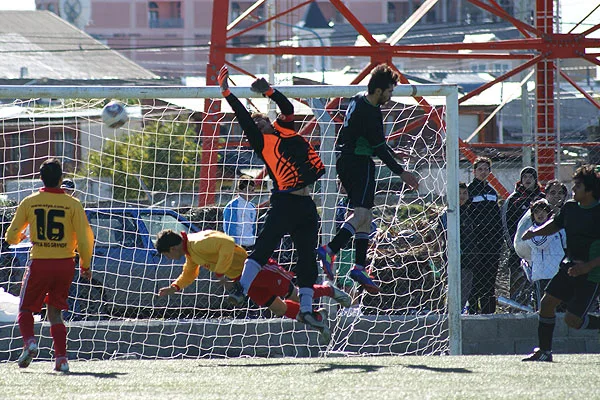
(222, 79)
(262, 86)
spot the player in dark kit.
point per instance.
(362, 137)
(577, 281)
(293, 165)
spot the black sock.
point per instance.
(342, 237)
(361, 243)
(545, 332)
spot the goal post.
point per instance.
(144, 177)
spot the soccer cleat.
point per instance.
(340, 296)
(61, 364)
(327, 259)
(318, 320)
(361, 276)
(236, 295)
(30, 350)
(539, 355)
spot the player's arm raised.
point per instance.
(243, 116)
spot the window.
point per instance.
(157, 222)
(478, 67)
(391, 12)
(115, 229)
(235, 10)
(164, 14)
(65, 146)
(152, 12)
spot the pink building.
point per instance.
(170, 37)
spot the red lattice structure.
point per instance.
(540, 47)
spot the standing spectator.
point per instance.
(239, 215)
(467, 249)
(487, 233)
(362, 136)
(58, 227)
(546, 251)
(556, 194)
(293, 165)
(577, 281)
(527, 190)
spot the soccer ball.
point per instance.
(114, 114)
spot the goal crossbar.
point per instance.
(153, 92)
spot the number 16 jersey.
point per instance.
(58, 226)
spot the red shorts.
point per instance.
(271, 281)
(47, 281)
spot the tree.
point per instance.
(163, 158)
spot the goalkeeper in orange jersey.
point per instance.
(293, 166)
(218, 252)
(58, 227)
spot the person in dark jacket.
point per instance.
(487, 234)
(527, 190)
(467, 248)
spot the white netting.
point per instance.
(152, 174)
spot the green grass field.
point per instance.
(365, 378)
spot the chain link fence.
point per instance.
(494, 279)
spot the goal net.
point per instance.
(174, 165)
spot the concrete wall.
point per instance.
(497, 334)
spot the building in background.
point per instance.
(170, 37)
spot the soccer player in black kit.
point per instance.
(294, 166)
(362, 137)
(577, 281)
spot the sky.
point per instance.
(574, 11)
(17, 4)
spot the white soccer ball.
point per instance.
(114, 114)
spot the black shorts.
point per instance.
(357, 175)
(577, 292)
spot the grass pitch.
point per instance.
(365, 378)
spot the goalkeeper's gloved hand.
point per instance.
(222, 79)
(262, 86)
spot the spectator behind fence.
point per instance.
(239, 215)
(466, 242)
(556, 194)
(487, 238)
(546, 251)
(527, 190)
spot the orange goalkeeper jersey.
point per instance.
(213, 250)
(58, 226)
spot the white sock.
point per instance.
(251, 269)
(306, 299)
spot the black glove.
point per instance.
(261, 86)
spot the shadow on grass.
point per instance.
(436, 369)
(323, 368)
(249, 365)
(101, 375)
(359, 368)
